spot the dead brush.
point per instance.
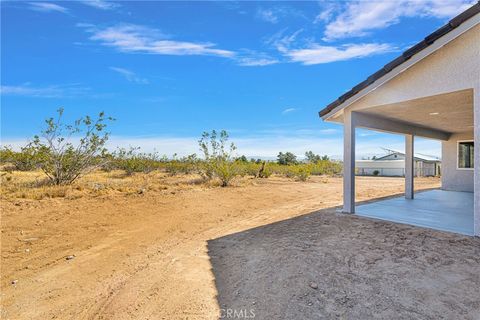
(33, 184)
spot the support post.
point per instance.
(476, 163)
(349, 162)
(409, 166)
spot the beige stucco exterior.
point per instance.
(437, 96)
(454, 67)
(453, 178)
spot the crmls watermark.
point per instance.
(237, 313)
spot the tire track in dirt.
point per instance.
(142, 257)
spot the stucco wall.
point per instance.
(453, 178)
(436, 74)
(476, 106)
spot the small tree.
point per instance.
(61, 160)
(286, 158)
(242, 159)
(315, 158)
(312, 157)
(218, 156)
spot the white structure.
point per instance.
(393, 165)
(432, 90)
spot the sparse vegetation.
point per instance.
(132, 160)
(217, 155)
(311, 157)
(57, 156)
(287, 158)
(63, 154)
(24, 160)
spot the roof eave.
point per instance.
(399, 63)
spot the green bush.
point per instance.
(62, 161)
(24, 160)
(325, 167)
(302, 173)
(267, 172)
(286, 158)
(132, 161)
(217, 154)
(311, 157)
(186, 165)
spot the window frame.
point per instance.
(458, 153)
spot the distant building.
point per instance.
(393, 165)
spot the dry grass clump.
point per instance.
(33, 185)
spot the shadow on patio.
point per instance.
(328, 265)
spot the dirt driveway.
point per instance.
(146, 256)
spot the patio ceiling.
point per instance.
(449, 112)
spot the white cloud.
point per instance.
(328, 131)
(47, 7)
(250, 58)
(129, 75)
(100, 4)
(317, 54)
(281, 41)
(275, 13)
(327, 13)
(132, 38)
(289, 110)
(448, 8)
(44, 92)
(308, 52)
(256, 62)
(267, 15)
(359, 17)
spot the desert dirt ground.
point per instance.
(164, 252)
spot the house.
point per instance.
(431, 90)
(393, 165)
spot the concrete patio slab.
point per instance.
(437, 209)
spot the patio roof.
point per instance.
(404, 57)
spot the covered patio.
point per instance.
(445, 117)
(436, 209)
(431, 91)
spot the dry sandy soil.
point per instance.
(179, 252)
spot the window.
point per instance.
(465, 155)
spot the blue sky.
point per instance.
(167, 71)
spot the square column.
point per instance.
(349, 162)
(409, 166)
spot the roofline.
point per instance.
(399, 64)
(376, 160)
(415, 157)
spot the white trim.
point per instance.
(439, 43)
(458, 150)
